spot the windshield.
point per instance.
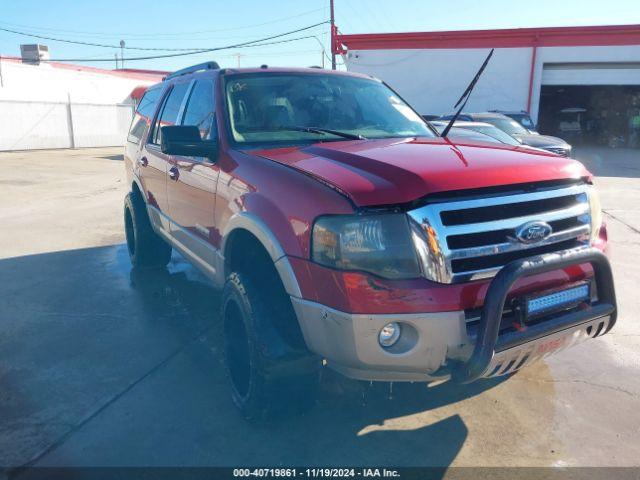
(495, 133)
(277, 108)
(506, 125)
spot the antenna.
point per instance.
(465, 95)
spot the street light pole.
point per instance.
(122, 53)
(323, 52)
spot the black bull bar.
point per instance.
(488, 342)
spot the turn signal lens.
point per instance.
(595, 208)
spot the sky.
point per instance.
(205, 24)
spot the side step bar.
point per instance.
(487, 340)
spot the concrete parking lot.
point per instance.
(101, 366)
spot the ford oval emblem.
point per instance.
(533, 232)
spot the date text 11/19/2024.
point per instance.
(316, 473)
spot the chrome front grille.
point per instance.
(470, 239)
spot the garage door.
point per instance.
(591, 74)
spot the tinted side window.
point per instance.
(144, 114)
(170, 110)
(200, 110)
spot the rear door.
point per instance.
(191, 185)
(155, 164)
(134, 154)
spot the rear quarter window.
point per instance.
(144, 114)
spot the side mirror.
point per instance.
(186, 141)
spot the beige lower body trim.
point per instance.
(350, 344)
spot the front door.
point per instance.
(191, 184)
(155, 164)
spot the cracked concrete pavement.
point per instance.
(101, 366)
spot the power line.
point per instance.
(194, 49)
(228, 47)
(156, 35)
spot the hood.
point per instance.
(540, 141)
(393, 171)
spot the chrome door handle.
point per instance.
(174, 173)
(143, 162)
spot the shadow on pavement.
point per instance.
(103, 366)
(112, 157)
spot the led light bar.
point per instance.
(558, 299)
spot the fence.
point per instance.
(27, 125)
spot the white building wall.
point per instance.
(50, 107)
(432, 80)
(33, 125)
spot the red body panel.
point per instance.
(286, 201)
(383, 172)
(356, 292)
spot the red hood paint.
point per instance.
(392, 171)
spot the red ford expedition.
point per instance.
(345, 231)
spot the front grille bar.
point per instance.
(512, 247)
(514, 222)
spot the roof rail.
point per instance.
(193, 68)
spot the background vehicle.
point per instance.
(341, 227)
(521, 117)
(570, 123)
(517, 131)
(481, 128)
(429, 118)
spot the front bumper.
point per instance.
(440, 346)
(349, 342)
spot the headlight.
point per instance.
(595, 208)
(377, 243)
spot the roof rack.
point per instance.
(193, 68)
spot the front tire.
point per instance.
(267, 375)
(146, 248)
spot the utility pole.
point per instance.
(116, 55)
(238, 56)
(332, 26)
(122, 53)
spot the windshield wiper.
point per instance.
(465, 96)
(337, 133)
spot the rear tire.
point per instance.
(146, 248)
(267, 375)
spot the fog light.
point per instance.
(389, 334)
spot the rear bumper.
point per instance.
(439, 346)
